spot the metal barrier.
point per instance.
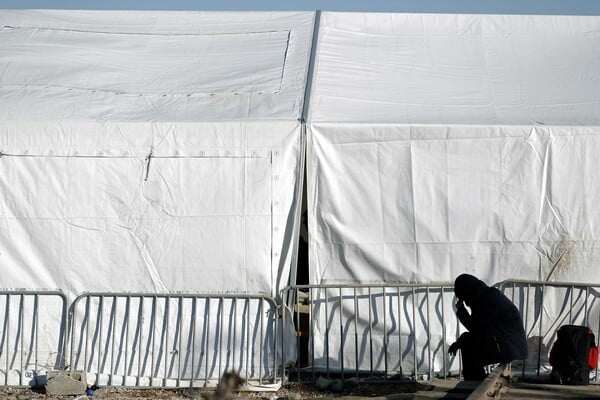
(378, 331)
(174, 340)
(381, 331)
(545, 306)
(31, 334)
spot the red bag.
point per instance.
(593, 360)
(574, 355)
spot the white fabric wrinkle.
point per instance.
(160, 135)
(130, 146)
(87, 228)
(546, 189)
(147, 258)
(158, 206)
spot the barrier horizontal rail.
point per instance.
(31, 335)
(392, 331)
(545, 306)
(174, 340)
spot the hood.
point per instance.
(468, 288)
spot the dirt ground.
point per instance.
(288, 392)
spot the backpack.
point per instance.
(573, 355)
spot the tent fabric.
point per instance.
(445, 144)
(153, 66)
(151, 151)
(457, 69)
(442, 144)
(163, 151)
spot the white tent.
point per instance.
(442, 144)
(147, 152)
(163, 152)
(150, 151)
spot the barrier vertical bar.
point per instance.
(21, 342)
(414, 316)
(126, 322)
(222, 301)
(356, 333)
(385, 334)
(193, 330)
(234, 336)
(152, 343)
(399, 333)
(370, 331)
(36, 337)
(179, 325)
(445, 353)
(113, 316)
(539, 355)
(586, 311)
(7, 316)
(298, 330)
(260, 350)
(341, 333)
(572, 289)
(207, 323)
(430, 361)
(100, 325)
(166, 338)
(247, 338)
(327, 329)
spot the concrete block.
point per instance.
(66, 383)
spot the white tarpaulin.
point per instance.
(443, 144)
(151, 151)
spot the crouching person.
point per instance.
(495, 328)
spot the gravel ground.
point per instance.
(288, 392)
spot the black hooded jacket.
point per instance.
(494, 318)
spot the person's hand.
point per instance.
(453, 348)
